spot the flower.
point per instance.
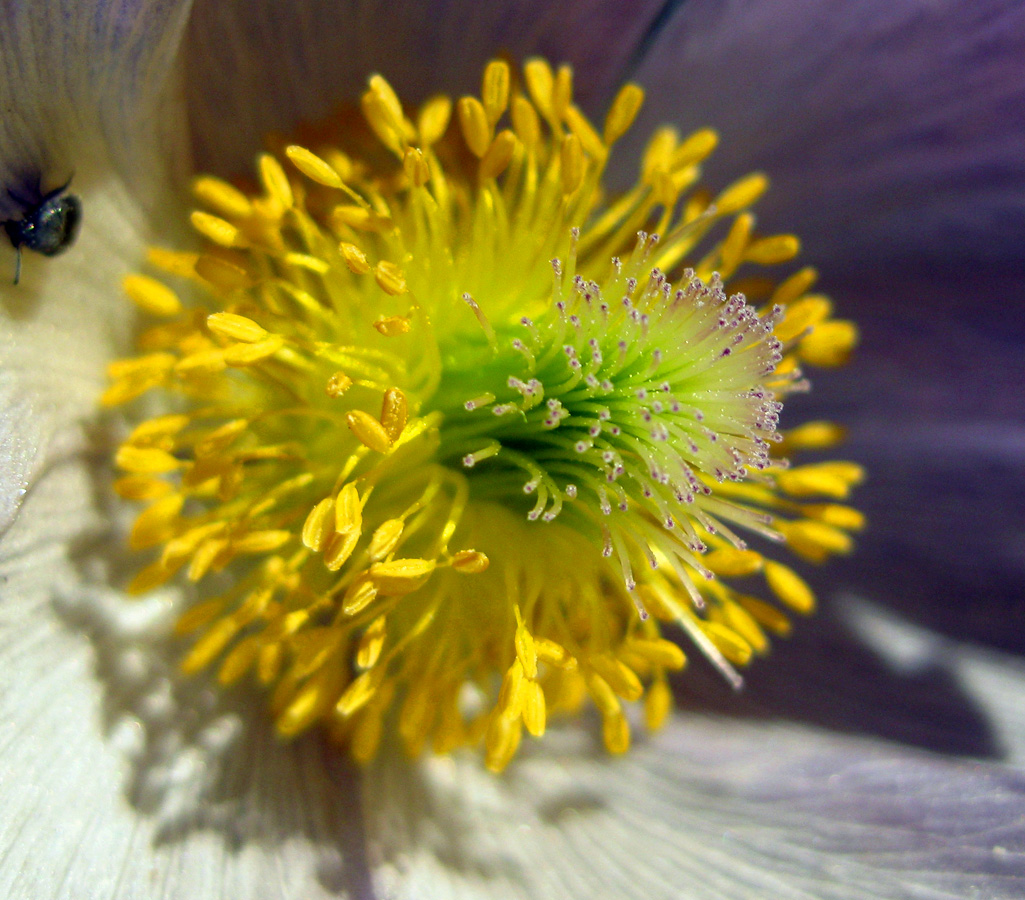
(787, 805)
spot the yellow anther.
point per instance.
(695, 148)
(590, 140)
(238, 661)
(360, 218)
(622, 113)
(602, 694)
(534, 708)
(732, 250)
(313, 167)
(829, 344)
(540, 84)
(181, 265)
(616, 733)
(795, 286)
(729, 562)
(358, 596)
(213, 641)
(205, 557)
(434, 119)
(501, 742)
(526, 652)
(385, 538)
(525, 122)
(470, 562)
(473, 121)
(218, 230)
(358, 693)
(415, 167)
(620, 677)
(153, 363)
(734, 616)
(730, 644)
(765, 615)
(389, 278)
(250, 354)
(562, 91)
(829, 479)
(275, 181)
(227, 200)
(261, 541)
(155, 432)
(552, 653)
(348, 509)
(770, 251)
(355, 259)
(314, 699)
(235, 327)
(141, 487)
(221, 273)
(200, 615)
(180, 548)
(392, 326)
(151, 296)
(659, 652)
(834, 514)
(202, 362)
(791, 589)
(572, 164)
(814, 436)
(339, 548)
(816, 541)
(495, 89)
(156, 523)
(319, 524)
(498, 155)
(268, 662)
(221, 438)
(658, 155)
(741, 194)
(383, 112)
(338, 384)
(801, 315)
(658, 703)
(145, 460)
(371, 643)
(511, 695)
(368, 431)
(401, 576)
(394, 413)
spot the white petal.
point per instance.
(264, 66)
(119, 781)
(712, 808)
(88, 89)
(84, 86)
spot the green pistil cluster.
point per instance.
(625, 396)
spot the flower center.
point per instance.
(465, 434)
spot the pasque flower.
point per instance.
(185, 787)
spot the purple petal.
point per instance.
(889, 129)
(262, 66)
(933, 402)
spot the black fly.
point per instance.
(48, 225)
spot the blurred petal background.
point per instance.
(879, 753)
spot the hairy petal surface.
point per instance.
(712, 808)
(87, 90)
(890, 130)
(121, 781)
